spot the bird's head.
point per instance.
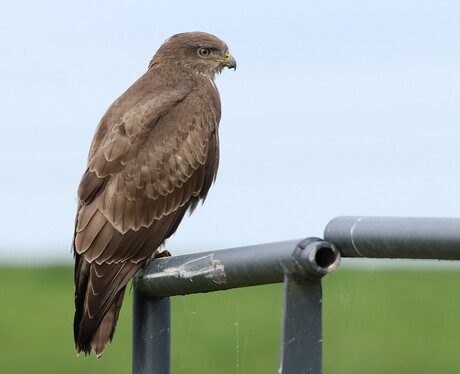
(199, 52)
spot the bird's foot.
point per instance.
(164, 253)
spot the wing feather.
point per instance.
(85, 237)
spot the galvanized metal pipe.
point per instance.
(301, 348)
(299, 264)
(237, 267)
(395, 237)
(151, 334)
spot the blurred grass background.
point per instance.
(378, 321)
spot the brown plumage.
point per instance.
(154, 156)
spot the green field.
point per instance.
(378, 321)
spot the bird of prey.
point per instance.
(153, 157)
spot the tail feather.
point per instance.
(96, 313)
(95, 336)
(100, 281)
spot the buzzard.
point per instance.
(153, 157)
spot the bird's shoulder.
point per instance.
(181, 100)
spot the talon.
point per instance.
(162, 254)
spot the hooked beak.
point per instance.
(229, 61)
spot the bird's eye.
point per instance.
(204, 52)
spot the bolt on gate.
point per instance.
(300, 264)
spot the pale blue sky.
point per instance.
(337, 107)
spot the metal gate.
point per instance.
(300, 264)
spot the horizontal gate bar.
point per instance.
(395, 237)
(237, 267)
